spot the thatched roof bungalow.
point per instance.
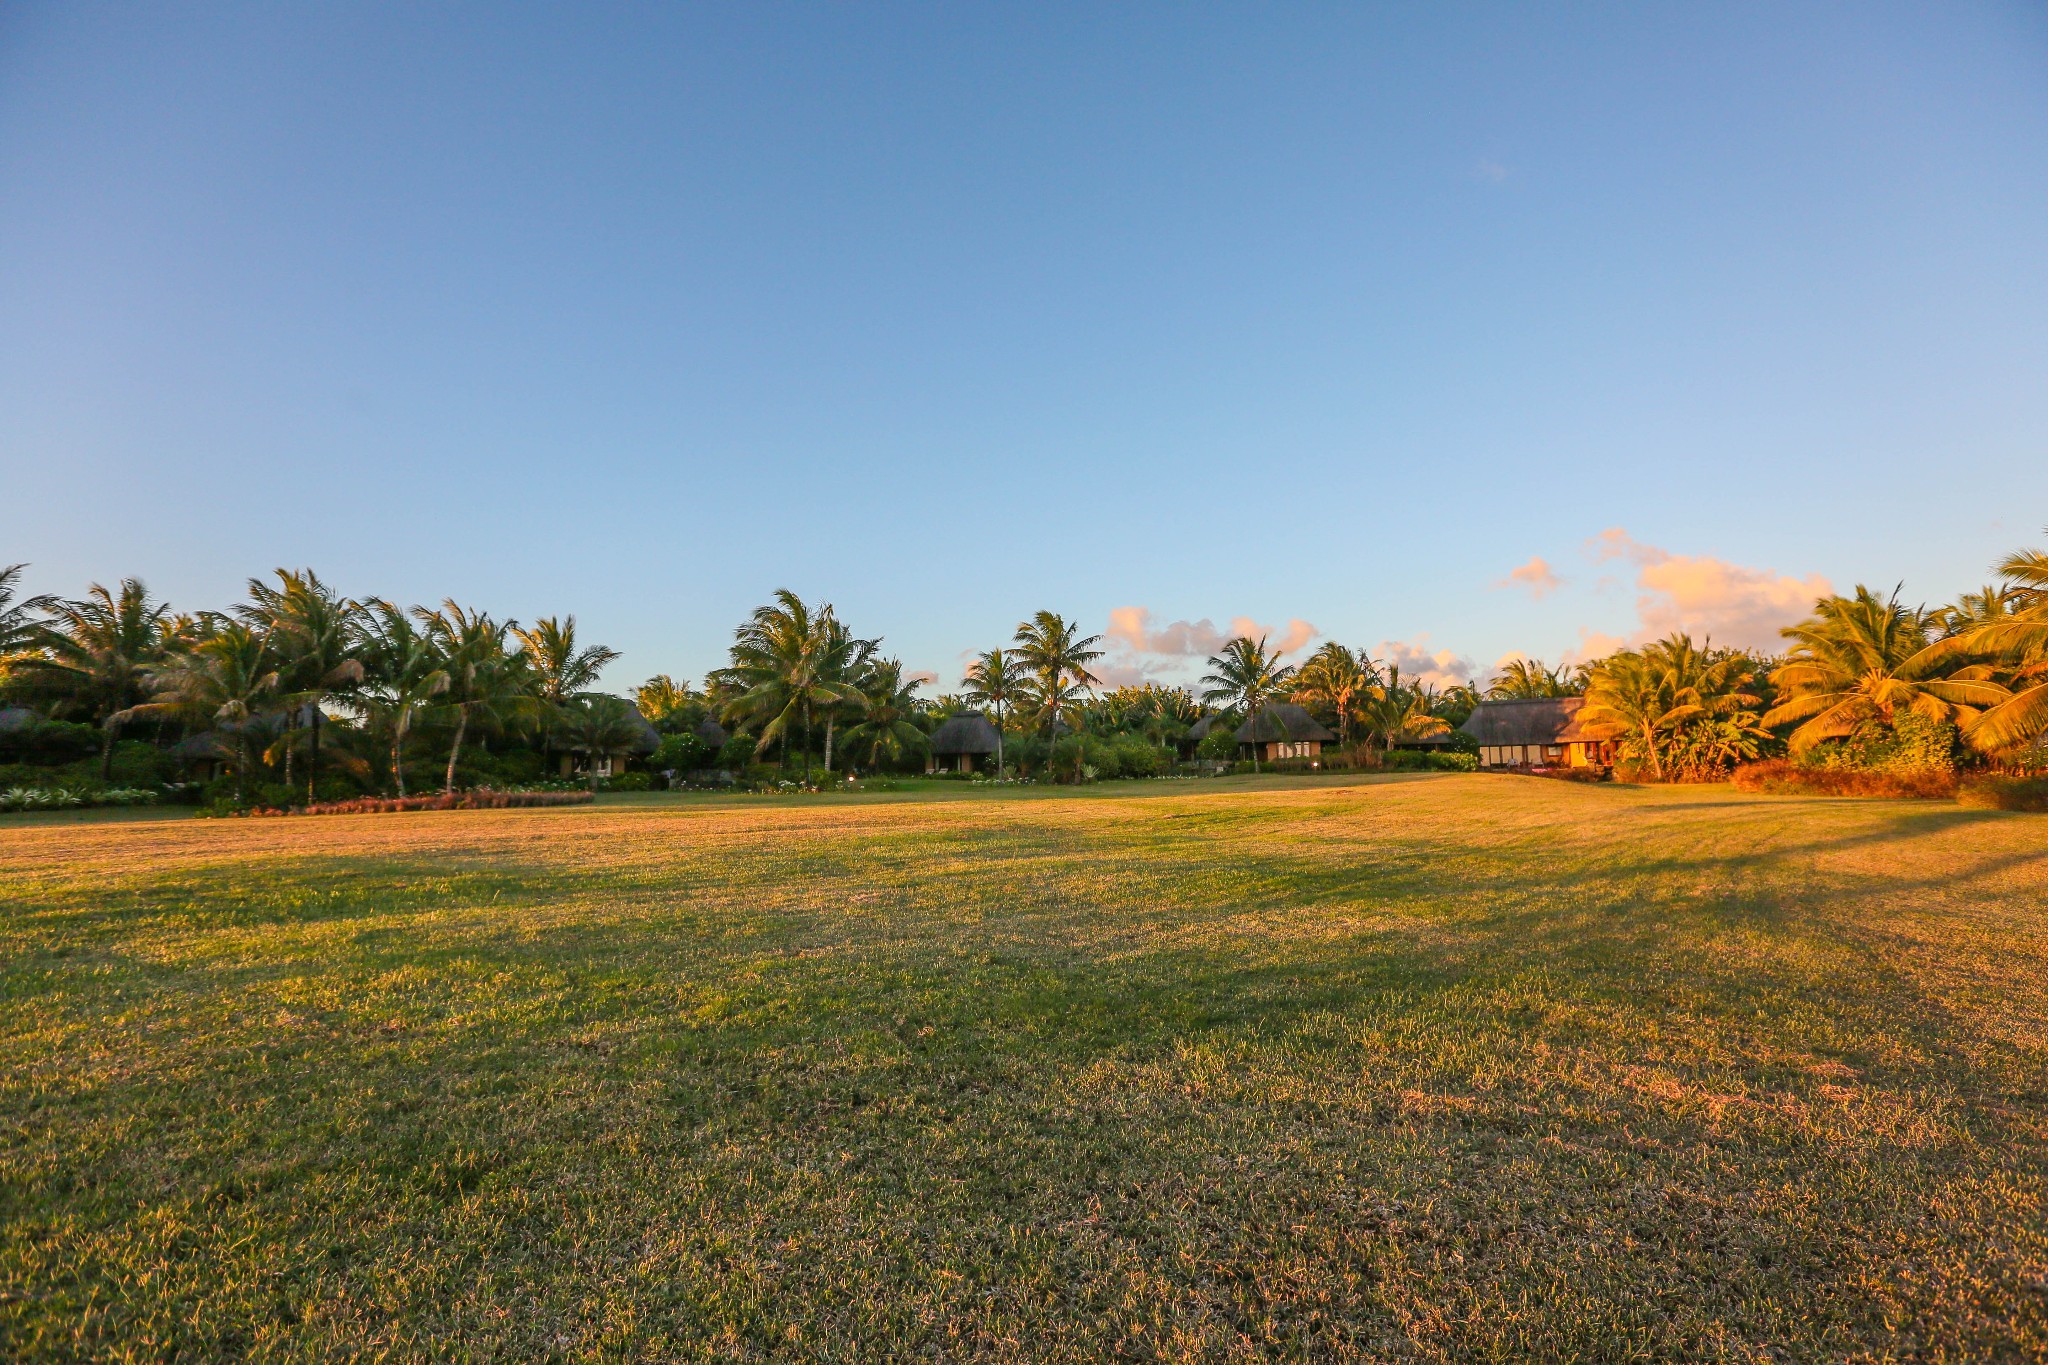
(637, 738)
(1282, 730)
(964, 743)
(1540, 732)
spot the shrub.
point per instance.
(376, 805)
(1427, 761)
(1219, 743)
(2000, 792)
(628, 782)
(682, 753)
(1782, 777)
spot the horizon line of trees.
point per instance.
(301, 684)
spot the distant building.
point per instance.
(1282, 730)
(963, 744)
(1539, 733)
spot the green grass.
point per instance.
(1439, 1068)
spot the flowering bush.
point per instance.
(481, 799)
(66, 798)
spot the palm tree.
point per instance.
(97, 653)
(783, 659)
(1530, 680)
(1669, 695)
(557, 670)
(405, 675)
(222, 680)
(1336, 678)
(2013, 634)
(1245, 678)
(887, 730)
(1867, 658)
(995, 679)
(848, 660)
(662, 696)
(487, 685)
(1055, 657)
(313, 634)
(18, 631)
(598, 724)
(1392, 713)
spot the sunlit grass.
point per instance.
(1437, 1068)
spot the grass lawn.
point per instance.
(1437, 1068)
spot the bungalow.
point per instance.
(637, 738)
(962, 743)
(1541, 732)
(1282, 730)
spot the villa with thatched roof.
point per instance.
(637, 739)
(1540, 732)
(963, 743)
(1282, 730)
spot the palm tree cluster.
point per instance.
(1866, 680)
(299, 684)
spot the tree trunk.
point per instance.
(828, 745)
(108, 727)
(398, 755)
(242, 764)
(313, 754)
(455, 749)
(291, 733)
(1255, 737)
(807, 744)
(999, 744)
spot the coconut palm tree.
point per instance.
(783, 660)
(405, 676)
(597, 724)
(661, 697)
(2013, 636)
(557, 670)
(1392, 713)
(224, 680)
(96, 655)
(846, 659)
(1055, 658)
(1245, 678)
(996, 680)
(18, 630)
(1868, 658)
(487, 684)
(1335, 678)
(1531, 680)
(886, 731)
(313, 634)
(1675, 701)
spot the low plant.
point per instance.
(1783, 777)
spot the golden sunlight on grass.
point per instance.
(1436, 1069)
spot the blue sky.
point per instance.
(1336, 315)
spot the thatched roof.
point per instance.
(646, 739)
(967, 733)
(1538, 721)
(711, 732)
(1201, 728)
(1282, 720)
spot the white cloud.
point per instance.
(1707, 597)
(1536, 576)
(1419, 663)
(922, 677)
(1131, 632)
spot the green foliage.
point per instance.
(1219, 743)
(627, 782)
(1998, 792)
(737, 754)
(1908, 743)
(682, 753)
